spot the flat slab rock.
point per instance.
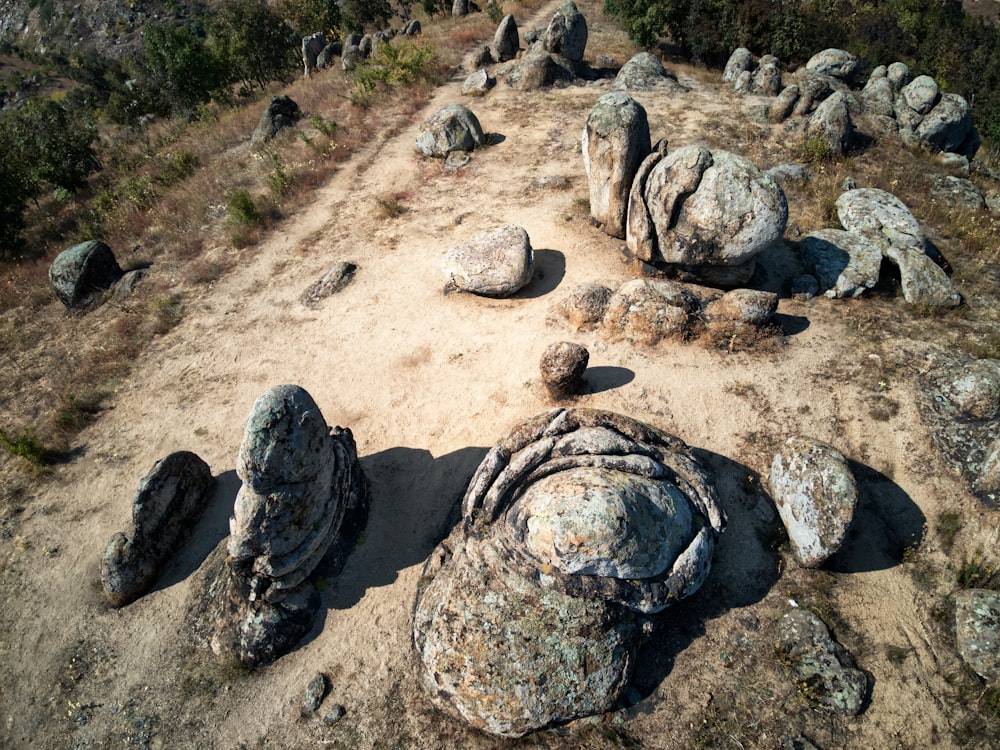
(816, 496)
(820, 666)
(495, 264)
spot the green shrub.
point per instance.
(176, 167)
(28, 446)
(242, 208)
(397, 64)
(977, 574)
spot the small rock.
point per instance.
(315, 693)
(584, 308)
(335, 279)
(478, 83)
(335, 714)
(743, 307)
(281, 113)
(977, 617)
(562, 367)
(974, 391)
(496, 263)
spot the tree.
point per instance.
(252, 43)
(359, 14)
(310, 16)
(179, 70)
(55, 144)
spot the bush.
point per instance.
(401, 63)
(242, 209)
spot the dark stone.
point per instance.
(562, 367)
(80, 273)
(281, 113)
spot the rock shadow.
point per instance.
(744, 568)
(495, 139)
(886, 523)
(414, 497)
(550, 268)
(212, 528)
(605, 378)
(791, 325)
(777, 265)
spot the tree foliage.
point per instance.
(252, 43)
(179, 70)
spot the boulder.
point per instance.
(987, 482)
(697, 208)
(299, 479)
(843, 263)
(170, 501)
(973, 391)
(780, 109)
(899, 75)
(312, 46)
(878, 96)
(837, 63)
(615, 142)
(452, 128)
(977, 615)
(645, 311)
(831, 125)
(577, 525)
(478, 83)
(741, 60)
(562, 367)
(80, 273)
(332, 282)
(584, 308)
(816, 496)
(539, 69)
(566, 35)
(766, 80)
(506, 42)
(921, 94)
(460, 8)
(884, 221)
(789, 174)
(958, 192)
(495, 264)
(813, 89)
(948, 126)
(743, 82)
(330, 51)
(412, 28)
(804, 287)
(645, 72)
(351, 57)
(820, 667)
(282, 112)
(741, 307)
(366, 46)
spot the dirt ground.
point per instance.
(427, 382)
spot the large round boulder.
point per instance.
(452, 128)
(576, 525)
(645, 72)
(80, 273)
(739, 62)
(948, 126)
(837, 63)
(615, 141)
(497, 263)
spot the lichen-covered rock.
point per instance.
(958, 192)
(615, 142)
(506, 41)
(948, 127)
(170, 500)
(299, 479)
(977, 629)
(751, 307)
(877, 97)
(921, 94)
(574, 522)
(831, 125)
(883, 220)
(974, 390)
(585, 306)
(741, 60)
(80, 273)
(898, 74)
(452, 128)
(351, 57)
(816, 496)
(496, 263)
(820, 667)
(645, 72)
(813, 88)
(478, 83)
(845, 264)
(645, 311)
(566, 35)
(782, 106)
(539, 69)
(837, 63)
(703, 208)
(766, 80)
(562, 367)
(312, 46)
(987, 482)
(282, 112)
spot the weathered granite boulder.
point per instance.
(813, 89)
(831, 125)
(878, 96)
(741, 60)
(766, 80)
(281, 113)
(921, 94)
(700, 209)
(743, 82)
(170, 500)
(884, 221)
(478, 83)
(330, 51)
(460, 8)
(646, 310)
(816, 496)
(958, 192)
(835, 62)
(820, 667)
(987, 482)
(844, 263)
(977, 630)
(299, 479)
(948, 127)
(615, 141)
(899, 75)
(497, 263)
(585, 306)
(81, 272)
(452, 128)
(645, 72)
(575, 526)
(366, 45)
(312, 46)
(780, 109)
(412, 28)
(562, 367)
(506, 42)
(351, 57)
(566, 35)
(974, 390)
(741, 307)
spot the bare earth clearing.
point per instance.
(427, 381)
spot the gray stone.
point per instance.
(412, 28)
(312, 46)
(820, 667)
(987, 482)
(973, 391)
(845, 264)
(780, 109)
(170, 500)
(831, 124)
(977, 614)
(955, 163)
(506, 42)
(878, 72)
(741, 60)
(460, 8)
(878, 96)
(743, 82)
(496, 263)
(899, 75)
(332, 282)
(282, 112)
(813, 89)
(948, 125)
(366, 46)
(766, 80)
(478, 83)
(645, 311)
(992, 200)
(921, 94)
(562, 367)
(837, 63)
(741, 307)
(334, 715)
(351, 57)
(330, 51)
(315, 693)
(789, 174)
(615, 141)
(883, 219)
(80, 273)
(816, 496)
(539, 69)
(455, 160)
(957, 192)
(645, 72)
(452, 128)
(584, 308)
(706, 209)
(566, 35)
(127, 284)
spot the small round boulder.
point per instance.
(81, 272)
(562, 367)
(453, 128)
